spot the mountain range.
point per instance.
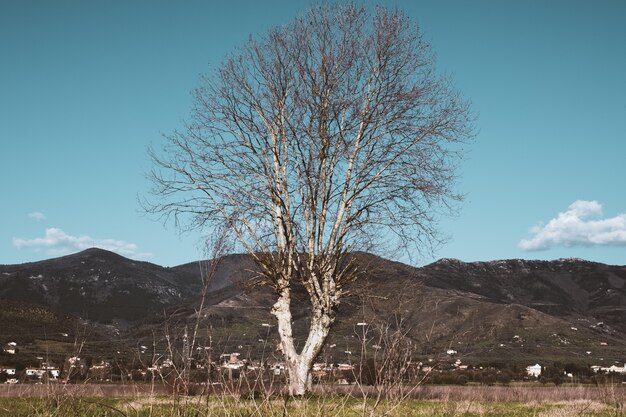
(566, 310)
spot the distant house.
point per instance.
(7, 370)
(35, 372)
(74, 360)
(278, 368)
(534, 370)
(10, 348)
(608, 369)
(232, 361)
(345, 366)
(319, 366)
(46, 368)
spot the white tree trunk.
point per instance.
(299, 374)
(299, 365)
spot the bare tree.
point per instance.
(328, 135)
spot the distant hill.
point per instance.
(565, 287)
(520, 310)
(98, 285)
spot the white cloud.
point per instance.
(580, 225)
(56, 243)
(37, 215)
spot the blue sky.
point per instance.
(85, 87)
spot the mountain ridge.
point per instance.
(560, 308)
(579, 281)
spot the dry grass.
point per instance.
(574, 408)
(434, 401)
(82, 390)
(611, 393)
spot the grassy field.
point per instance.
(603, 402)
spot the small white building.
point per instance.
(608, 369)
(319, 366)
(36, 372)
(345, 367)
(534, 370)
(278, 368)
(7, 370)
(74, 361)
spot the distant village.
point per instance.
(229, 366)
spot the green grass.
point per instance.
(339, 406)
